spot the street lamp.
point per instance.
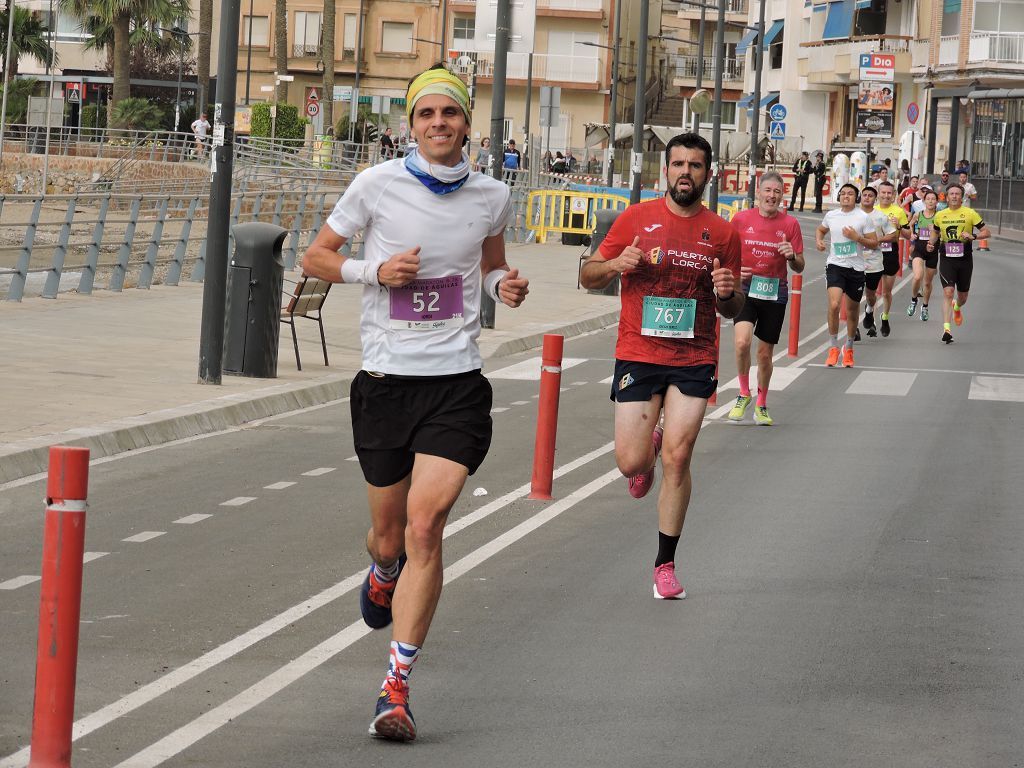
(179, 33)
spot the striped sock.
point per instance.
(400, 661)
(386, 572)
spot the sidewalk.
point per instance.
(114, 372)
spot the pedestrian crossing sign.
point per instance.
(777, 130)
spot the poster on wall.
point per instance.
(876, 106)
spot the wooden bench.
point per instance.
(306, 300)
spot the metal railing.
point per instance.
(997, 47)
(686, 67)
(305, 50)
(164, 146)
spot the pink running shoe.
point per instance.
(640, 485)
(666, 585)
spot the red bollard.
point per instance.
(713, 400)
(795, 292)
(60, 605)
(547, 417)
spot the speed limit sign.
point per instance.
(312, 108)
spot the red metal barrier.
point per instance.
(547, 417)
(795, 293)
(60, 604)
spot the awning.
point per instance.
(772, 33)
(744, 103)
(839, 22)
(746, 42)
(862, 4)
(768, 100)
(951, 6)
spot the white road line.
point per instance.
(191, 519)
(579, 383)
(519, 402)
(886, 383)
(279, 486)
(237, 501)
(352, 458)
(176, 677)
(184, 737)
(606, 381)
(172, 443)
(998, 388)
(782, 377)
(529, 370)
(318, 471)
(930, 370)
(88, 557)
(498, 410)
(138, 538)
(19, 581)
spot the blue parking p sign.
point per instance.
(776, 130)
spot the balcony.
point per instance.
(837, 62)
(306, 50)
(549, 67)
(567, 5)
(736, 7)
(986, 50)
(686, 70)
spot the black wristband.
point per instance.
(727, 298)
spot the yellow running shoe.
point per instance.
(738, 410)
(761, 417)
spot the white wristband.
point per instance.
(491, 280)
(356, 271)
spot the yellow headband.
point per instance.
(438, 81)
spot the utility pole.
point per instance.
(700, 62)
(211, 338)
(6, 76)
(353, 112)
(716, 115)
(503, 30)
(755, 126)
(614, 107)
(640, 102)
(529, 99)
(248, 54)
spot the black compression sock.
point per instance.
(666, 549)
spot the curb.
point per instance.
(30, 457)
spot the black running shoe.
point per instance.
(375, 598)
(885, 327)
(947, 337)
(856, 335)
(872, 332)
(869, 320)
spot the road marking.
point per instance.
(606, 381)
(19, 581)
(998, 388)
(352, 458)
(88, 557)
(782, 377)
(498, 410)
(176, 677)
(237, 501)
(191, 519)
(998, 374)
(520, 402)
(318, 471)
(279, 486)
(138, 538)
(529, 370)
(184, 737)
(886, 383)
(579, 383)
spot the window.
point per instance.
(349, 36)
(464, 33)
(728, 115)
(307, 34)
(1005, 16)
(396, 37)
(775, 52)
(69, 28)
(260, 30)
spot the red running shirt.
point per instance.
(679, 252)
(761, 237)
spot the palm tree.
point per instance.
(327, 57)
(30, 38)
(114, 19)
(281, 46)
(203, 61)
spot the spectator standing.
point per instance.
(803, 169)
(201, 127)
(483, 155)
(513, 160)
(970, 191)
(820, 174)
(387, 145)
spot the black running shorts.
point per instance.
(931, 260)
(394, 418)
(638, 382)
(767, 317)
(872, 279)
(847, 278)
(891, 260)
(956, 272)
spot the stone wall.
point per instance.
(67, 175)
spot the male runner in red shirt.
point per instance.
(679, 265)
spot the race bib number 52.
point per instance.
(428, 305)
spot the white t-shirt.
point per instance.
(970, 191)
(397, 212)
(873, 258)
(200, 127)
(917, 206)
(842, 251)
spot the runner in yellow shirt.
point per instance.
(890, 245)
(954, 227)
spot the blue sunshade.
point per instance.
(839, 21)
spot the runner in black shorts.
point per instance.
(925, 254)
(772, 243)
(420, 407)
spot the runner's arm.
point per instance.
(598, 271)
(321, 259)
(819, 236)
(511, 289)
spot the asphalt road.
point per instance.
(854, 577)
